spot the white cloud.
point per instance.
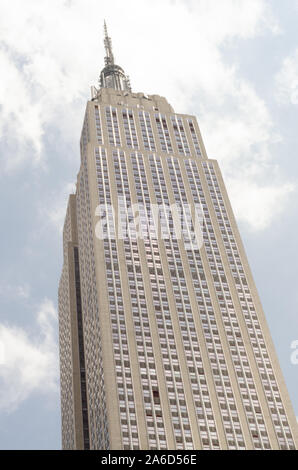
(60, 54)
(287, 80)
(21, 122)
(28, 363)
(241, 136)
(22, 291)
(52, 215)
(259, 205)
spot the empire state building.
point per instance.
(163, 339)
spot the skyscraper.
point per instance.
(163, 340)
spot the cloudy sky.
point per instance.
(232, 63)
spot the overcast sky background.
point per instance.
(232, 63)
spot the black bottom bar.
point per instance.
(137, 459)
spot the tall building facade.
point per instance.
(163, 340)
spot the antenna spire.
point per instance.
(109, 59)
(112, 76)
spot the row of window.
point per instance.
(131, 139)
